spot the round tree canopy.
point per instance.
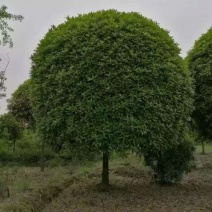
(110, 79)
(200, 65)
(20, 105)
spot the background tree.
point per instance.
(19, 105)
(199, 63)
(10, 129)
(5, 31)
(5, 61)
(5, 16)
(111, 81)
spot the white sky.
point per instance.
(185, 19)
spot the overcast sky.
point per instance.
(185, 19)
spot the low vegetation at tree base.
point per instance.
(28, 153)
(168, 169)
(112, 82)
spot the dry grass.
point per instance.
(23, 182)
(132, 189)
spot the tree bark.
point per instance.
(105, 168)
(42, 165)
(203, 147)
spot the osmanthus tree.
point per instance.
(111, 81)
(19, 105)
(10, 129)
(199, 61)
(5, 31)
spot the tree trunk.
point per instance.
(14, 142)
(105, 168)
(42, 165)
(203, 147)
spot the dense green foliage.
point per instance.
(171, 164)
(27, 151)
(199, 63)
(20, 106)
(111, 81)
(10, 129)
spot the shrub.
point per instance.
(28, 151)
(170, 165)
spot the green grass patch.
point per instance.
(208, 148)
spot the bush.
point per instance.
(170, 165)
(28, 151)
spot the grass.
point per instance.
(74, 188)
(208, 148)
(30, 183)
(132, 189)
(24, 181)
(22, 186)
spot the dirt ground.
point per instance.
(75, 189)
(133, 190)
